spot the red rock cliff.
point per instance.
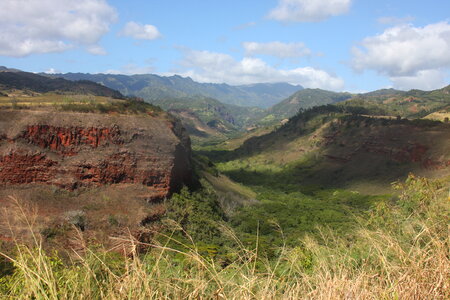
(70, 150)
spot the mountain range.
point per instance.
(153, 87)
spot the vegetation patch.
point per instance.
(398, 249)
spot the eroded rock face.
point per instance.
(20, 168)
(66, 140)
(70, 150)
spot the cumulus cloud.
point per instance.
(408, 55)
(205, 66)
(277, 49)
(308, 10)
(423, 80)
(140, 32)
(405, 50)
(44, 26)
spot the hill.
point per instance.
(382, 92)
(12, 82)
(391, 102)
(153, 87)
(410, 104)
(303, 99)
(328, 146)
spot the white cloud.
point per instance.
(140, 32)
(44, 26)
(308, 10)
(277, 49)
(412, 57)
(405, 50)
(205, 66)
(423, 80)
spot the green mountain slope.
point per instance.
(209, 118)
(411, 104)
(327, 146)
(153, 87)
(303, 99)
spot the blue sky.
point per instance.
(351, 45)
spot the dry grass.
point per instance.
(51, 99)
(396, 254)
(439, 116)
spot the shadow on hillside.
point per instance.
(308, 181)
(355, 151)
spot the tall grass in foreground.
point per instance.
(401, 251)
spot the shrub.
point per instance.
(76, 218)
(198, 213)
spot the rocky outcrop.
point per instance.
(66, 140)
(71, 150)
(19, 167)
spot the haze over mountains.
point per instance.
(153, 87)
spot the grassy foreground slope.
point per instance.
(398, 250)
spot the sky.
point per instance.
(339, 45)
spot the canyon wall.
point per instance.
(72, 150)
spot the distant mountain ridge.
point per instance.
(153, 87)
(410, 104)
(303, 99)
(16, 79)
(391, 102)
